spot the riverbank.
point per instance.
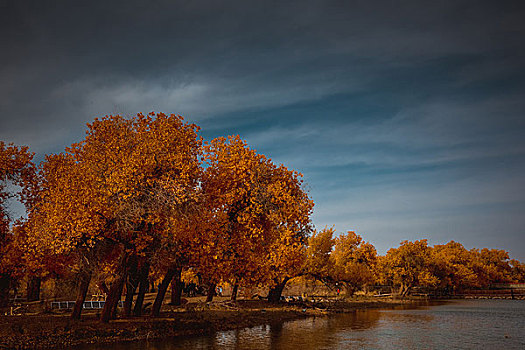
(59, 331)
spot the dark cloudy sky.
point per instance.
(406, 117)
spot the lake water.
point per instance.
(461, 324)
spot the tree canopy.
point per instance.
(146, 197)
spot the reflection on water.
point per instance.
(311, 333)
(465, 324)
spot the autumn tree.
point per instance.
(236, 189)
(354, 262)
(17, 180)
(180, 246)
(260, 216)
(290, 222)
(117, 188)
(408, 266)
(490, 266)
(163, 187)
(517, 271)
(64, 222)
(318, 262)
(452, 267)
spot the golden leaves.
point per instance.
(16, 168)
(259, 204)
(139, 182)
(126, 174)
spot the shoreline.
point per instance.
(59, 331)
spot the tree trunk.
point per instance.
(115, 292)
(274, 295)
(143, 288)
(131, 285)
(163, 287)
(119, 296)
(152, 288)
(235, 289)
(112, 300)
(404, 289)
(33, 288)
(103, 288)
(350, 290)
(83, 286)
(211, 292)
(176, 288)
(5, 283)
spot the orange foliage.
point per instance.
(354, 261)
(16, 171)
(318, 263)
(452, 266)
(408, 266)
(259, 214)
(124, 185)
(490, 266)
(137, 187)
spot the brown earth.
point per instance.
(57, 330)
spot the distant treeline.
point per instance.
(145, 198)
(348, 261)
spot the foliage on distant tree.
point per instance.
(318, 262)
(447, 268)
(517, 271)
(490, 266)
(345, 260)
(408, 266)
(452, 266)
(354, 261)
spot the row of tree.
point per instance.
(146, 197)
(348, 261)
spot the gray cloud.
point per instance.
(379, 103)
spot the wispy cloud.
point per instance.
(431, 133)
(405, 117)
